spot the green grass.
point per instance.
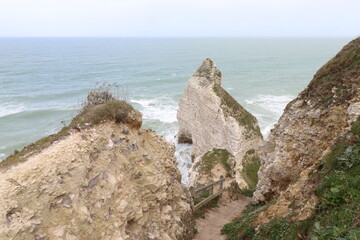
(327, 79)
(251, 164)
(232, 108)
(211, 158)
(93, 114)
(243, 228)
(333, 82)
(337, 216)
(201, 197)
(250, 170)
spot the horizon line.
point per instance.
(169, 37)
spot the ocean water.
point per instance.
(44, 80)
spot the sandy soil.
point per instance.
(209, 227)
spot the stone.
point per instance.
(305, 133)
(100, 199)
(210, 118)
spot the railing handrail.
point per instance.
(212, 195)
(207, 186)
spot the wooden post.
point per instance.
(211, 191)
(221, 182)
(192, 191)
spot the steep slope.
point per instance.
(309, 179)
(214, 121)
(105, 179)
(310, 125)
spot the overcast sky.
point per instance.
(180, 18)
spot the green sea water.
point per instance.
(44, 80)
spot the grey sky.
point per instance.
(184, 18)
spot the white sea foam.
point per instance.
(272, 103)
(162, 109)
(266, 108)
(2, 156)
(8, 109)
(183, 156)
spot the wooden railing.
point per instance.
(214, 186)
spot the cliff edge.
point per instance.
(102, 178)
(326, 109)
(309, 176)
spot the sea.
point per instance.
(44, 81)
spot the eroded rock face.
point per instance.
(109, 181)
(304, 134)
(210, 118)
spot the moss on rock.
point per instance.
(251, 165)
(211, 158)
(233, 109)
(335, 82)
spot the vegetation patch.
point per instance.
(251, 165)
(233, 109)
(243, 228)
(337, 216)
(99, 106)
(201, 197)
(338, 75)
(212, 204)
(93, 114)
(211, 158)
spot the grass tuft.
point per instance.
(211, 158)
(98, 107)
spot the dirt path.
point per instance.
(209, 227)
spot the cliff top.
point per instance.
(338, 80)
(91, 114)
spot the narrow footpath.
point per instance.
(209, 228)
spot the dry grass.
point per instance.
(98, 107)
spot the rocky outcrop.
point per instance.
(211, 166)
(305, 133)
(210, 118)
(109, 180)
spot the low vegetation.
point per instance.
(100, 105)
(333, 83)
(211, 158)
(337, 216)
(200, 213)
(232, 108)
(251, 165)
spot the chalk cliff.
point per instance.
(326, 109)
(210, 118)
(103, 178)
